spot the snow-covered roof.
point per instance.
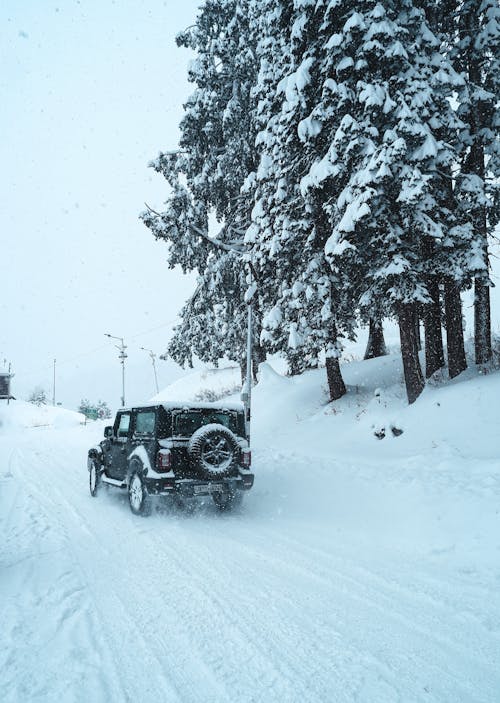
(181, 404)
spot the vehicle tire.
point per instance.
(94, 478)
(228, 500)
(214, 450)
(138, 498)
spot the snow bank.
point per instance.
(414, 476)
(205, 385)
(373, 420)
(19, 415)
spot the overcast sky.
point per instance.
(90, 91)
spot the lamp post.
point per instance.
(122, 356)
(54, 385)
(246, 393)
(153, 361)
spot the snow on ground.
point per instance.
(358, 569)
(207, 384)
(18, 414)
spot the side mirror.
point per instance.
(108, 431)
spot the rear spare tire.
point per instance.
(214, 450)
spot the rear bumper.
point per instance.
(196, 487)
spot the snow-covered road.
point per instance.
(315, 591)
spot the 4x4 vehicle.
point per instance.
(175, 449)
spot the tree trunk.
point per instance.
(416, 322)
(258, 357)
(482, 312)
(434, 355)
(336, 385)
(376, 343)
(482, 322)
(414, 379)
(454, 330)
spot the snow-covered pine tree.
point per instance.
(384, 91)
(302, 310)
(206, 176)
(475, 50)
(447, 257)
(38, 396)
(211, 326)
(272, 21)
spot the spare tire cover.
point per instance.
(214, 450)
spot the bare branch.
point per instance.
(153, 211)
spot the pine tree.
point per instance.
(476, 55)
(103, 411)
(38, 396)
(211, 326)
(303, 313)
(207, 176)
(383, 106)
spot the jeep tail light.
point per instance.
(246, 458)
(164, 460)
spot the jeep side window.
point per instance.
(123, 425)
(145, 422)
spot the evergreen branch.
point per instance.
(216, 242)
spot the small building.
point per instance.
(5, 378)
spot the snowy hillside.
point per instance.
(358, 569)
(19, 415)
(208, 384)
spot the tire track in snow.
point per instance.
(54, 649)
(405, 609)
(205, 595)
(199, 602)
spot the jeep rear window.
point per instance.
(187, 422)
(145, 423)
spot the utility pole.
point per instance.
(153, 361)
(121, 356)
(54, 386)
(246, 394)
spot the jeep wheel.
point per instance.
(214, 450)
(138, 498)
(227, 500)
(94, 479)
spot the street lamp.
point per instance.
(153, 361)
(246, 392)
(122, 356)
(54, 385)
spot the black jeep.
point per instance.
(174, 449)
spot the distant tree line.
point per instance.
(94, 411)
(38, 396)
(351, 150)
